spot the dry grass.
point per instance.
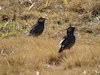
(22, 55)
(27, 55)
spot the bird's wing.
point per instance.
(34, 27)
(61, 42)
(66, 42)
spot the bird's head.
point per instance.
(41, 20)
(70, 30)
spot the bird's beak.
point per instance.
(44, 17)
(76, 27)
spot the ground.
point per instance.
(23, 55)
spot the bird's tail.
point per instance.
(60, 50)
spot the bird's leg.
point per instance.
(69, 49)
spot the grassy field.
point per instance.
(23, 55)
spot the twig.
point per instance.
(0, 7)
(30, 1)
(6, 23)
(8, 64)
(31, 6)
(2, 52)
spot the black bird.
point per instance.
(38, 28)
(68, 40)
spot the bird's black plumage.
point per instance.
(68, 40)
(38, 28)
